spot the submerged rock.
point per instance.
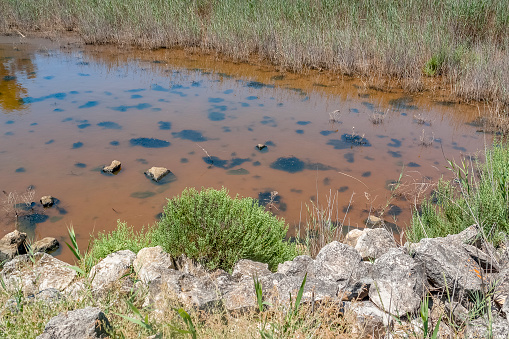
(47, 245)
(47, 201)
(157, 173)
(113, 167)
(261, 146)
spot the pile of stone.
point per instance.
(369, 276)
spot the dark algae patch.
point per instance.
(189, 134)
(349, 141)
(114, 143)
(164, 125)
(225, 164)
(20, 170)
(78, 144)
(142, 195)
(89, 104)
(109, 125)
(289, 164)
(216, 116)
(149, 142)
(394, 143)
(239, 171)
(80, 165)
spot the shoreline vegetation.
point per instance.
(460, 45)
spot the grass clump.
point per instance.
(123, 238)
(212, 227)
(479, 194)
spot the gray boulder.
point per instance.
(373, 243)
(86, 323)
(38, 273)
(46, 245)
(201, 293)
(339, 263)
(449, 265)
(152, 263)
(479, 328)
(248, 269)
(398, 283)
(369, 320)
(314, 289)
(11, 245)
(298, 267)
(110, 270)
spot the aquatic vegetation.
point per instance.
(189, 134)
(239, 171)
(80, 165)
(89, 104)
(303, 123)
(78, 144)
(225, 164)
(109, 125)
(394, 143)
(142, 195)
(20, 170)
(216, 116)
(289, 164)
(149, 142)
(349, 157)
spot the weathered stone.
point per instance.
(151, 263)
(113, 167)
(242, 296)
(247, 269)
(49, 295)
(501, 282)
(314, 289)
(479, 329)
(352, 237)
(111, 269)
(157, 173)
(449, 265)
(457, 312)
(47, 245)
(339, 263)
(298, 267)
(398, 283)
(86, 323)
(374, 221)
(37, 273)
(11, 245)
(201, 293)
(354, 291)
(375, 242)
(47, 201)
(369, 319)
(505, 308)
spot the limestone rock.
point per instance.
(370, 320)
(478, 328)
(47, 245)
(151, 263)
(11, 245)
(86, 323)
(373, 243)
(314, 289)
(339, 263)
(111, 269)
(201, 293)
(352, 237)
(47, 201)
(449, 265)
(113, 167)
(398, 283)
(298, 267)
(242, 296)
(157, 173)
(374, 221)
(42, 273)
(247, 269)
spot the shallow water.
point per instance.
(66, 112)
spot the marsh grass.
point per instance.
(462, 43)
(478, 194)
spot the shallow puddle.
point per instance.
(66, 113)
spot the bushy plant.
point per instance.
(212, 227)
(123, 238)
(479, 194)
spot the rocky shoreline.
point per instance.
(384, 285)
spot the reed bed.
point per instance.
(462, 42)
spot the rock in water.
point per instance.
(261, 146)
(85, 323)
(114, 167)
(157, 173)
(47, 201)
(47, 245)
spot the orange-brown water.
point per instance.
(53, 99)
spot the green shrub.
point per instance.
(123, 238)
(212, 227)
(479, 194)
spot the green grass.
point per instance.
(212, 227)
(479, 194)
(465, 41)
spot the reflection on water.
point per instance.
(203, 120)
